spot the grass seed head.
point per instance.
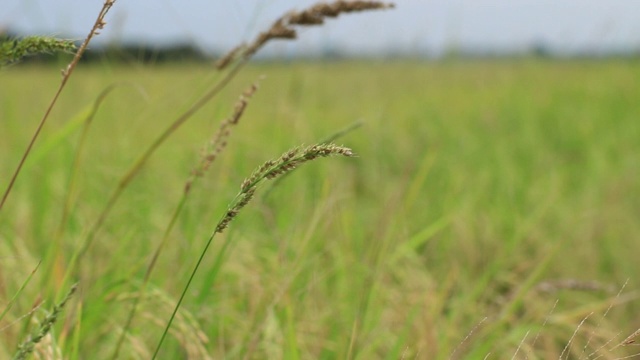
(219, 141)
(283, 27)
(47, 323)
(271, 169)
(316, 14)
(13, 50)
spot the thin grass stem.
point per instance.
(15, 296)
(141, 161)
(66, 74)
(269, 170)
(210, 152)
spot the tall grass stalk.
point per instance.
(66, 74)
(209, 153)
(15, 296)
(267, 171)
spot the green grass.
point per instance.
(474, 183)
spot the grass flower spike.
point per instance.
(267, 171)
(283, 27)
(274, 168)
(47, 323)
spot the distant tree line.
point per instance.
(188, 52)
(147, 54)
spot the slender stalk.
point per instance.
(66, 74)
(209, 153)
(142, 160)
(15, 296)
(145, 280)
(184, 292)
(269, 170)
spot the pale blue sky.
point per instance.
(415, 26)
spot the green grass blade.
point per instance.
(17, 294)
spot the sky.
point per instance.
(430, 27)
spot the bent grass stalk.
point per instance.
(267, 171)
(329, 139)
(209, 153)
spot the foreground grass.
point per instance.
(475, 183)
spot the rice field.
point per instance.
(491, 211)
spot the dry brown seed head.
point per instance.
(282, 28)
(305, 18)
(326, 10)
(280, 31)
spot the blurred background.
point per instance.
(433, 28)
(492, 209)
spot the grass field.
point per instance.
(492, 209)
